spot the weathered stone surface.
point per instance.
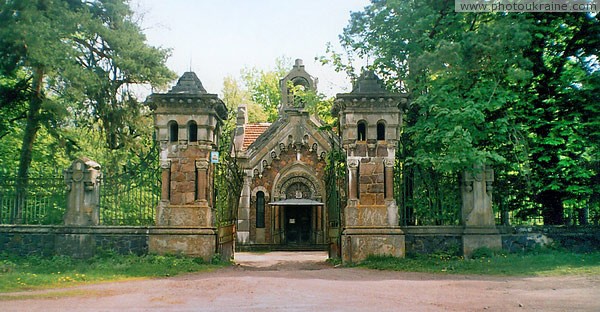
(357, 245)
(83, 185)
(202, 246)
(186, 216)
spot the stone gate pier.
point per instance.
(187, 121)
(370, 121)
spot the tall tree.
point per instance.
(70, 51)
(515, 90)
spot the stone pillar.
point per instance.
(371, 214)
(185, 215)
(477, 213)
(243, 228)
(390, 201)
(202, 182)
(353, 178)
(83, 207)
(82, 179)
(165, 166)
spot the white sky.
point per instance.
(220, 37)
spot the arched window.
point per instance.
(260, 209)
(192, 131)
(362, 130)
(380, 131)
(173, 131)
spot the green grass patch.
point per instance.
(27, 273)
(538, 263)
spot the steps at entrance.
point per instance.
(267, 247)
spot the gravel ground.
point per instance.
(292, 281)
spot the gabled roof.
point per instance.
(252, 132)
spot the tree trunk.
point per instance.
(31, 130)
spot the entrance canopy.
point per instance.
(296, 202)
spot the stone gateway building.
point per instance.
(283, 202)
(282, 199)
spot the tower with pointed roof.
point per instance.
(370, 121)
(187, 120)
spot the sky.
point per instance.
(218, 38)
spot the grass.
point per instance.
(535, 263)
(30, 273)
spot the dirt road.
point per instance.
(304, 282)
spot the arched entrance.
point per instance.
(298, 218)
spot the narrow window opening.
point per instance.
(260, 210)
(192, 132)
(380, 131)
(173, 131)
(362, 131)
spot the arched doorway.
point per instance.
(298, 217)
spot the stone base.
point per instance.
(189, 242)
(358, 243)
(243, 237)
(198, 214)
(81, 246)
(477, 237)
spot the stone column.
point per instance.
(202, 182)
(390, 201)
(353, 178)
(389, 178)
(165, 166)
(243, 228)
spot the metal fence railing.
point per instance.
(39, 200)
(129, 198)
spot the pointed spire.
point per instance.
(189, 83)
(368, 82)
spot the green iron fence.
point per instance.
(42, 201)
(129, 198)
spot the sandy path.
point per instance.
(304, 282)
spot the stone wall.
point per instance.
(79, 242)
(433, 240)
(577, 239)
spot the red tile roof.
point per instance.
(252, 132)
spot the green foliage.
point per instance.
(68, 65)
(515, 91)
(539, 263)
(33, 272)
(482, 252)
(263, 86)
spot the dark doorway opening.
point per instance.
(298, 230)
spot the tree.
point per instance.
(67, 52)
(561, 110)
(518, 91)
(234, 95)
(263, 86)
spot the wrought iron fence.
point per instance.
(426, 197)
(129, 198)
(39, 200)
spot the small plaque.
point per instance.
(292, 221)
(214, 157)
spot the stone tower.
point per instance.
(370, 120)
(187, 121)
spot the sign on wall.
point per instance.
(214, 157)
